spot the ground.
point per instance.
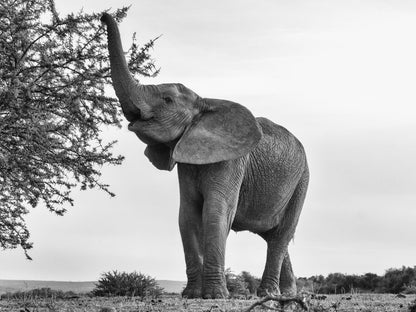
(336, 303)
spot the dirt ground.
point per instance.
(336, 303)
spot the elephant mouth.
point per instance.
(134, 125)
(139, 128)
(138, 124)
(137, 120)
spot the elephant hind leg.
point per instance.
(287, 278)
(278, 275)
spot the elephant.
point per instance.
(235, 172)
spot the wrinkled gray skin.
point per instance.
(235, 172)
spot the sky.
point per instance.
(340, 75)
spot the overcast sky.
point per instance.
(340, 75)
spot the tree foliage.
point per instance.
(53, 106)
(251, 282)
(393, 281)
(235, 284)
(243, 284)
(126, 284)
(399, 280)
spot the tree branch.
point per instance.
(281, 299)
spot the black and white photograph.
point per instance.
(233, 155)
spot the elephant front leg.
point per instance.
(190, 223)
(217, 219)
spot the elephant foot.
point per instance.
(288, 291)
(191, 292)
(215, 292)
(263, 291)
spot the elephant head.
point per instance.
(176, 123)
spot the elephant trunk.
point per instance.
(130, 94)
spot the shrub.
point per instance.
(410, 289)
(235, 284)
(127, 284)
(39, 293)
(251, 281)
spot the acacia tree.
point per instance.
(53, 71)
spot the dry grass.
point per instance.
(334, 303)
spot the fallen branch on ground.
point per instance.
(281, 299)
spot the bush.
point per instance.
(39, 293)
(251, 281)
(127, 284)
(235, 284)
(410, 290)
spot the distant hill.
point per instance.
(78, 287)
(16, 285)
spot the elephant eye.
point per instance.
(168, 99)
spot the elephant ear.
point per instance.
(160, 156)
(224, 131)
